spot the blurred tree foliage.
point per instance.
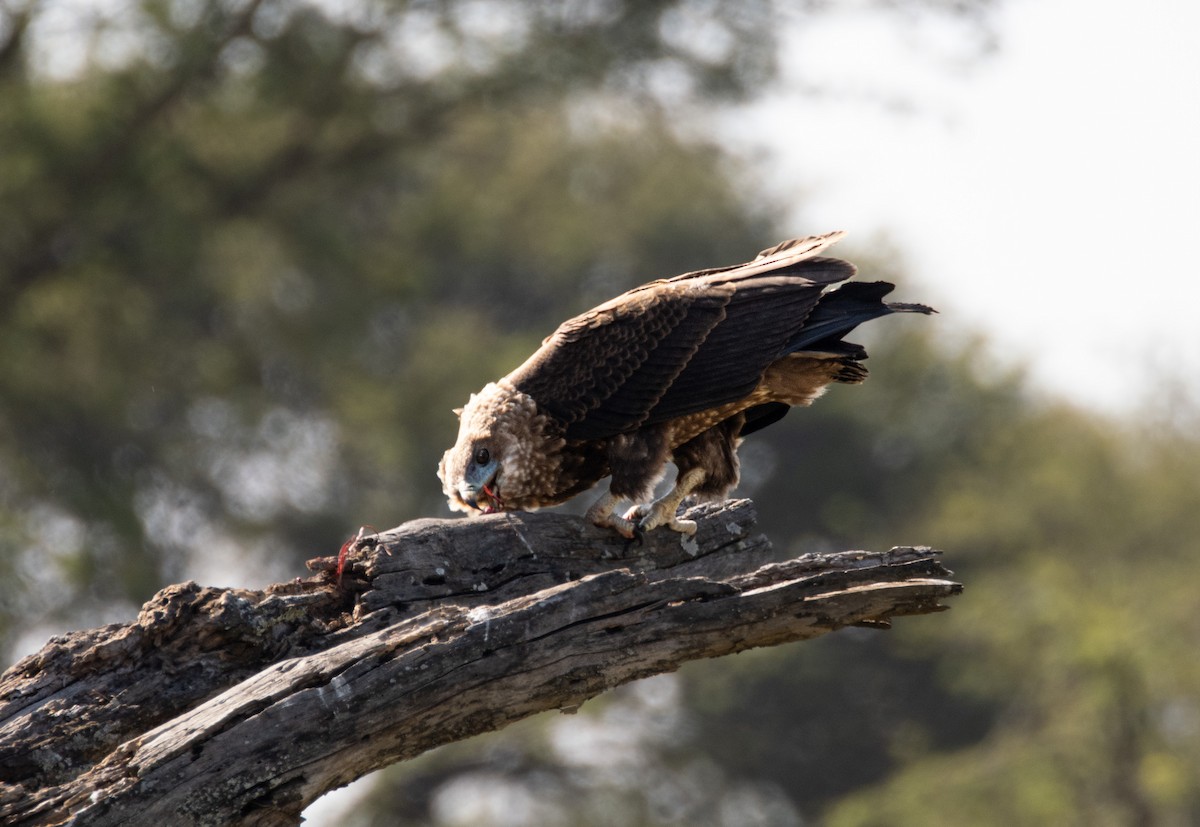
(251, 254)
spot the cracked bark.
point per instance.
(230, 706)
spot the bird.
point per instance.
(677, 370)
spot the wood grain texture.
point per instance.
(226, 706)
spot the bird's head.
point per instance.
(489, 467)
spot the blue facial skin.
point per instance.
(478, 475)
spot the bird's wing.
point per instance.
(677, 346)
(600, 374)
(761, 320)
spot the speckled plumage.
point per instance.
(677, 369)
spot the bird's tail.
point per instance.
(840, 311)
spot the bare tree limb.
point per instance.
(227, 706)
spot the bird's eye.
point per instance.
(482, 456)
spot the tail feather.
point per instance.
(840, 311)
(907, 307)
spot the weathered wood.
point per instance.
(227, 706)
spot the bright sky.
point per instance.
(1048, 195)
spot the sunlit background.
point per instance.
(1048, 192)
(252, 253)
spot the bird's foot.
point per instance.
(601, 514)
(626, 528)
(661, 512)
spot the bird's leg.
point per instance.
(662, 511)
(601, 514)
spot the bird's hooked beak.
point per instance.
(479, 488)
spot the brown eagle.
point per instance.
(679, 369)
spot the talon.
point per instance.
(601, 514)
(638, 538)
(663, 513)
(624, 527)
(655, 516)
(637, 513)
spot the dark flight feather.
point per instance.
(602, 373)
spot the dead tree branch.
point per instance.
(228, 706)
